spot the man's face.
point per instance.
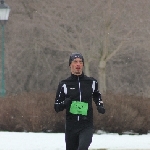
(76, 66)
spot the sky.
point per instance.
(56, 141)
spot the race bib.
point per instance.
(79, 108)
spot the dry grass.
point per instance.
(29, 112)
(34, 112)
(124, 113)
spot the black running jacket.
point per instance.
(79, 88)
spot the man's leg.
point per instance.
(85, 138)
(72, 140)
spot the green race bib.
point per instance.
(78, 107)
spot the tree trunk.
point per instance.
(87, 68)
(102, 76)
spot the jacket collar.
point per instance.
(76, 77)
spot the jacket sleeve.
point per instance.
(96, 94)
(60, 97)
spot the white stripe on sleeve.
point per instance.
(93, 86)
(65, 89)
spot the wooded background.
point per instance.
(112, 35)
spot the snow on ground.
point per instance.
(55, 141)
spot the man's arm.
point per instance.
(60, 97)
(97, 98)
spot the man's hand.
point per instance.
(101, 109)
(67, 101)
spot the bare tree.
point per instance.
(41, 35)
(98, 29)
(88, 27)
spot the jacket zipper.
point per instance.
(80, 94)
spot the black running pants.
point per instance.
(78, 139)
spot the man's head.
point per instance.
(76, 63)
